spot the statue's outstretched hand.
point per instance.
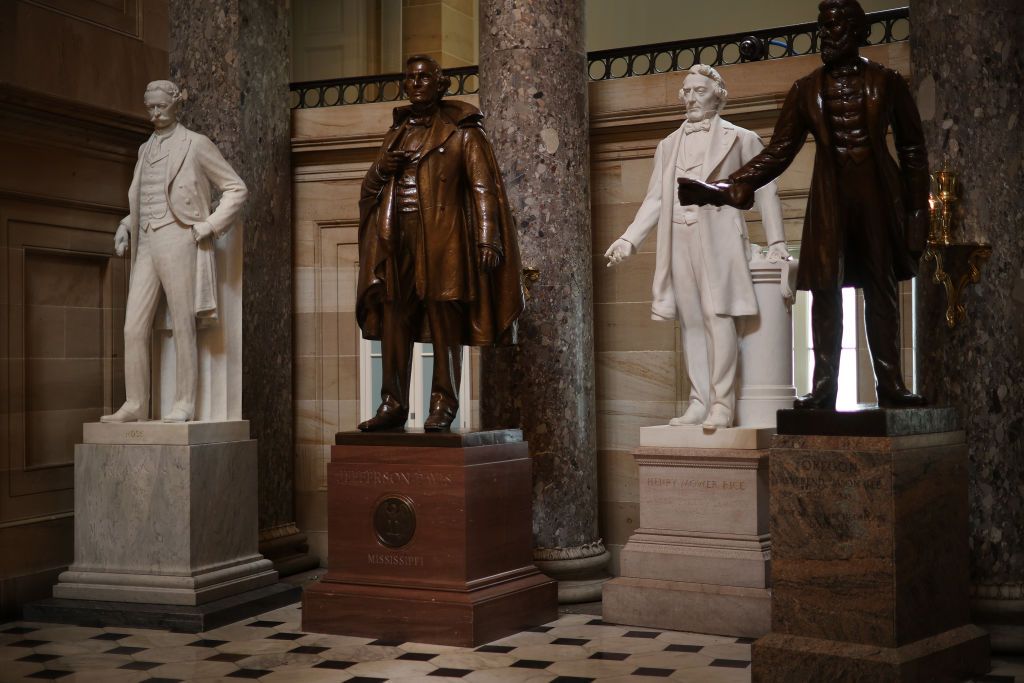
(121, 239)
(719, 193)
(619, 251)
(489, 258)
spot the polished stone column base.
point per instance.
(701, 559)
(953, 655)
(287, 547)
(1002, 617)
(581, 573)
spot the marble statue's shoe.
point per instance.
(440, 419)
(178, 415)
(693, 416)
(123, 414)
(719, 417)
(899, 398)
(387, 417)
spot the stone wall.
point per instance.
(71, 122)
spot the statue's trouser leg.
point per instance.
(691, 317)
(174, 257)
(402, 320)
(143, 297)
(868, 248)
(702, 327)
(882, 321)
(445, 319)
(827, 337)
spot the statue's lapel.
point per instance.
(874, 83)
(721, 139)
(179, 144)
(440, 131)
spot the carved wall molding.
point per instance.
(27, 115)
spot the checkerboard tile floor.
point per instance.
(574, 649)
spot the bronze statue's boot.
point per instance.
(440, 418)
(827, 333)
(389, 416)
(899, 397)
(889, 386)
(822, 397)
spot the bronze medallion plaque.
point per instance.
(394, 520)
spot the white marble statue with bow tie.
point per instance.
(171, 227)
(701, 270)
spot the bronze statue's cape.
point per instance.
(462, 205)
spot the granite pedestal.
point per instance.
(869, 550)
(165, 521)
(700, 560)
(430, 540)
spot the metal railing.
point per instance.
(888, 26)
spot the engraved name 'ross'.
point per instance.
(394, 560)
(395, 478)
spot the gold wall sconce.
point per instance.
(530, 276)
(957, 264)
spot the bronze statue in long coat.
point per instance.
(867, 218)
(438, 255)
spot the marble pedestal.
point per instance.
(165, 529)
(869, 552)
(700, 560)
(430, 540)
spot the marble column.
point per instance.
(968, 71)
(231, 58)
(533, 92)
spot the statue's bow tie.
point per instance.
(690, 127)
(424, 121)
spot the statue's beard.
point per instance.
(837, 51)
(699, 113)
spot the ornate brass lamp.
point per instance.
(957, 264)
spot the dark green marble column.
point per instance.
(533, 92)
(231, 57)
(968, 72)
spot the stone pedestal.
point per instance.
(165, 515)
(700, 560)
(869, 552)
(430, 540)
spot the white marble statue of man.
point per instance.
(701, 274)
(171, 227)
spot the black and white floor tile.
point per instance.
(574, 649)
